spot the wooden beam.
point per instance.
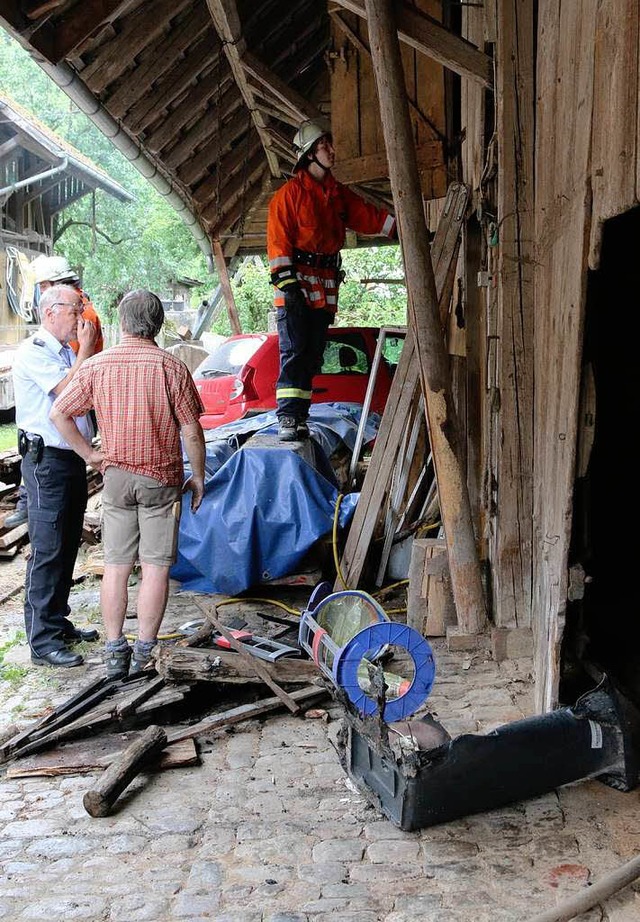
(236, 186)
(8, 147)
(159, 59)
(146, 23)
(453, 495)
(432, 39)
(225, 284)
(59, 41)
(240, 207)
(227, 21)
(193, 169)
(299, 107)
(211, 126)
(263, 103)
(198, 96)
(376, 166)
(227, 167)
(151, 107)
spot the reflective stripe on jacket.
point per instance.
(313, 217)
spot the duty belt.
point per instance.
(319, 260)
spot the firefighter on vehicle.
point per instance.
(306, 228)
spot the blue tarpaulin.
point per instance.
(264, 507)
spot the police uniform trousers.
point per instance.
(56, 502)
(302, 334)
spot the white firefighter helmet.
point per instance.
(52, 269)
(307, 135)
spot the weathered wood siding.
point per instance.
(586, 171)
(512, 425)
(355, 111)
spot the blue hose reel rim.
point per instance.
(374, 637)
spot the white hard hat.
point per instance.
(307, 135)
(52, 269)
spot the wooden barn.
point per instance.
(503, 133)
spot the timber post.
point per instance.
(225, 284)
(455, 507)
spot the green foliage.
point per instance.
(142, 244)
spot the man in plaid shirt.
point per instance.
(145, 401)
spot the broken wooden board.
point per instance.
(309, 694)
(97, 753)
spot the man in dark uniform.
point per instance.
(54, 476)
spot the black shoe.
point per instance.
(80, 635)
(287, 429)
(302, 428)
(19, 517)
(61, 657)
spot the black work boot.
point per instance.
(117, 662)
(302, 428)
(287, 429)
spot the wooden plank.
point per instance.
(257, 665)
(210, 89)
(512, 427)
(614, 158)
(60, 41)
(431, 38)
(95, 754)
(345, 123)
(139, 80)
(375, 165)
(404, 391)
(304, 696)
(430, 608)
(566, 37)
(200, 57)
(135, 32)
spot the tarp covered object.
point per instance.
(263, 507)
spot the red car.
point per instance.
(238, 378)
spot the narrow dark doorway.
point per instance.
(603, 626)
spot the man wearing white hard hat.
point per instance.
(306, 228)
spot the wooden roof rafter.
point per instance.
(156, 62)
(73, 28)
(431, 38)
(225, 16)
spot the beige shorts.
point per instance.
(140, 519)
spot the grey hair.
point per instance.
(49, 297)
(141, 313)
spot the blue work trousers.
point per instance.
(302, 335)
(56, 501)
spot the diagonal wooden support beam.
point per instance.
(294, 102)
(432, 39)
(227, 22)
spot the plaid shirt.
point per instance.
(142, 395)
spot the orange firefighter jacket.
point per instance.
(312, 218)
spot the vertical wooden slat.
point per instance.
(512, 450)
(566, 36)
(615, 154)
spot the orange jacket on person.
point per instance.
(89, 313)
(313, 217)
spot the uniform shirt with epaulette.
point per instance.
(40, 364)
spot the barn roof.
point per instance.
(204, 96)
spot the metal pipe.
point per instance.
(8, 190)
(71, 84)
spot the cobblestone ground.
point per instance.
(269, 829)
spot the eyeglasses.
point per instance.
(75, 307)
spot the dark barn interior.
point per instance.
(603, 627)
